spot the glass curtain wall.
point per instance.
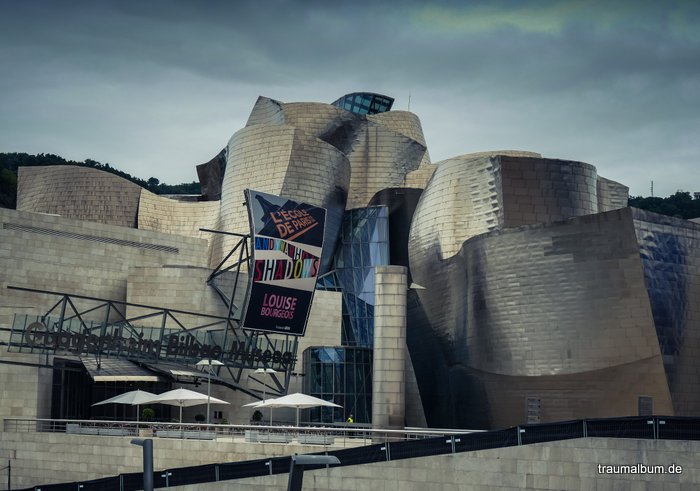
(364, 244)
(342, 375)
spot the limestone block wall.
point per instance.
(42, 458)
(566, 465)
(325, 320)
(176, 287)
(25, 386)
(53, 253)
(76, 192)
(46, 458)
(169, 216)
(389, 359)
(79, 257)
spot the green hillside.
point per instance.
(10, 162)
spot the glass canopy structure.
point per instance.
(365, 103)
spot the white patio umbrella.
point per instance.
(259, 404)
(134, 397)
(300, 401)
(184, 398)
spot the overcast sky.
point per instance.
(156, 87)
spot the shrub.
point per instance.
(148, 414)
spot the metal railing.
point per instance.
(338, 436)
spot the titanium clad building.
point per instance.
(524, 287)
(542, 304)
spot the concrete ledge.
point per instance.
(192, 435)
(116, 432)
(76, 429)
(253, 436)
(316, 439)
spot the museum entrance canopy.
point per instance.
(117, 370)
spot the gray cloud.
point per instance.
(156, 87)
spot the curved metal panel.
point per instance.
(81, 193)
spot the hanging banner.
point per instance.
(287, 241)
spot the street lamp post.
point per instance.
(265, 371)
(208, 362)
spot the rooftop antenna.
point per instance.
(409, 99)
(652, 189)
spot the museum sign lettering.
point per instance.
(176, 347)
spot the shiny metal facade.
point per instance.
(286, 161)
(670, 254)
(529, 291)
(319, 154)
(81, 193)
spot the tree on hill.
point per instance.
(679, 205)
(8, 188)
(10, 162)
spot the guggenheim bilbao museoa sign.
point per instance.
(287, 239)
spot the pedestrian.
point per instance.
(350, 420)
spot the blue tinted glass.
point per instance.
(365, 230)
(356, 256)
(327, 379)
(358, 278)
(352, 305)
(349, 379)
(369, 280)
